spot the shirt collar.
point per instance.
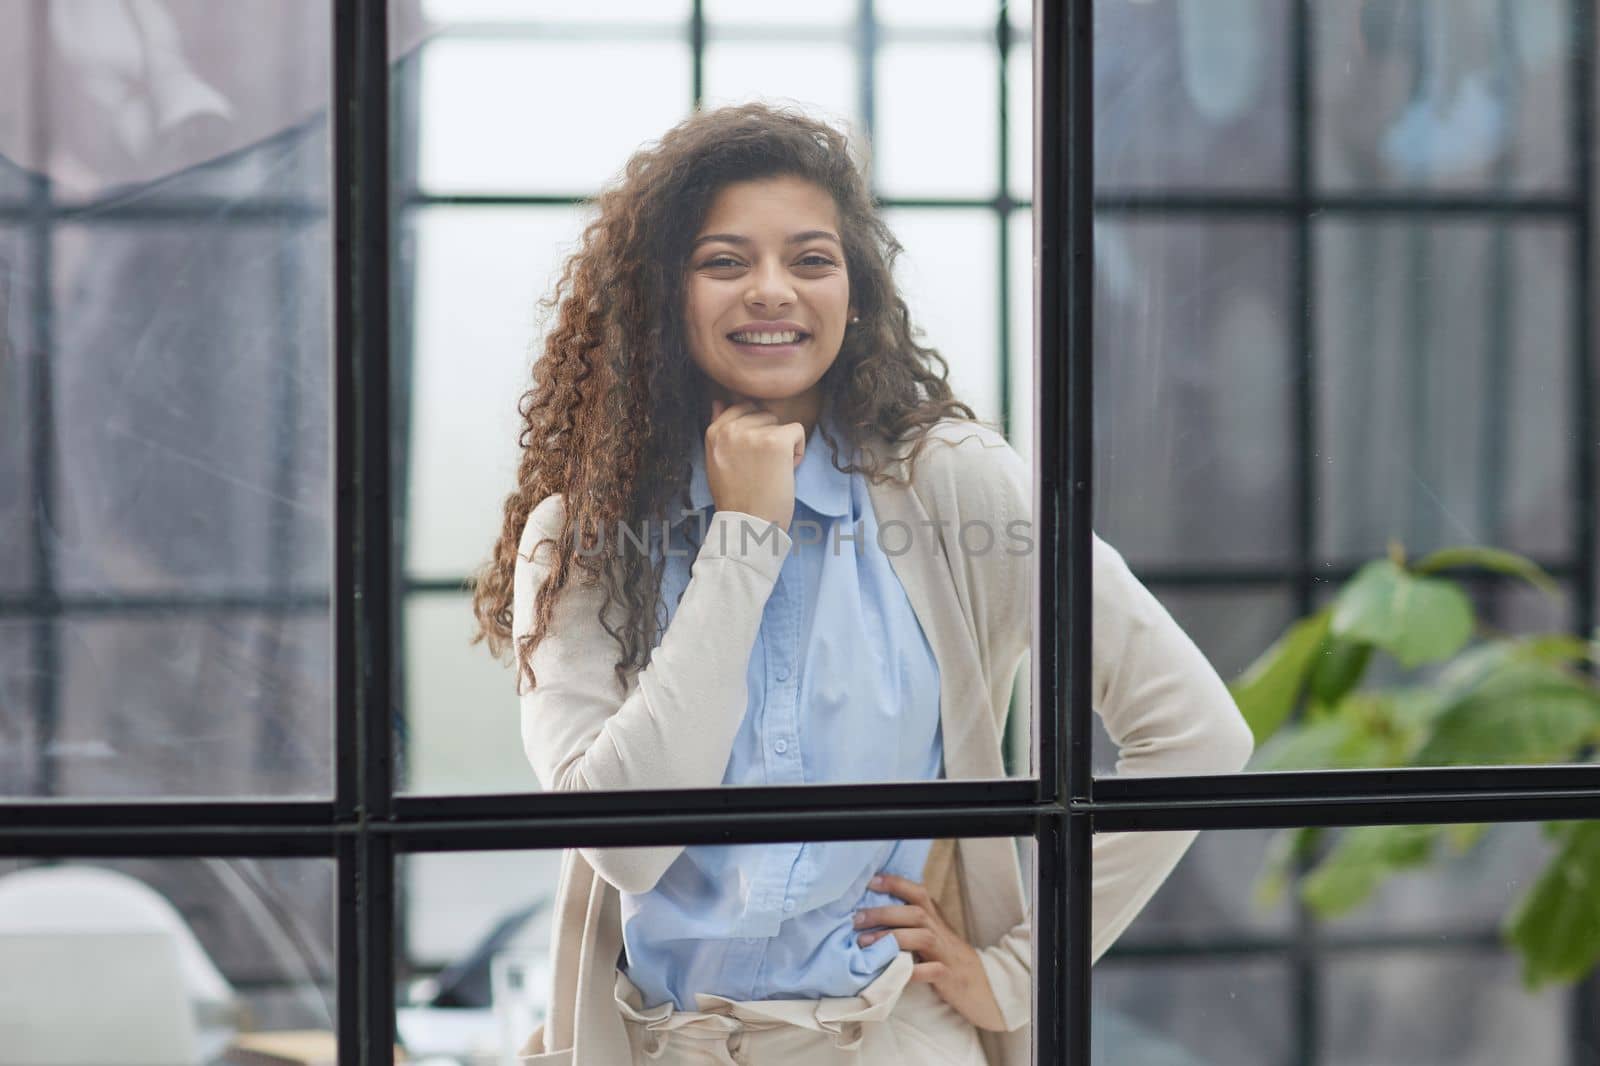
(817, 482)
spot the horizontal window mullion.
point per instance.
(622, 830)
(111, 840)
(1392, 782)
(1317, 799)
(786, 800)
(288, 816)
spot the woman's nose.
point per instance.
(769, 286)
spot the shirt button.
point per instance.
(781, 746)
(788, 905)
(783, 673)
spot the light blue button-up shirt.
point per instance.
(843, 687)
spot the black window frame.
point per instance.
(364, 826)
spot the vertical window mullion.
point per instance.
(1064, 293)
(363, 553)
(1302, 945)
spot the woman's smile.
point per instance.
(766, 340)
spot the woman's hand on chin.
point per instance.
(941, 958)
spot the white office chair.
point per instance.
(96, 966)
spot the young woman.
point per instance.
(755, 539)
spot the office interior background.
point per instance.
(1337, 281)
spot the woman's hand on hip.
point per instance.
(941, 958)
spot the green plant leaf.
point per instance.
(1415, 709)
(1270, 687)
(1415, 619)
(1361, 860)
(1554, 649)
(1486, 663)
(1285, 849)
(1526, 713)
(1558, 830)
(1495, 560)
(1463, 837)
(1339, 667)
(1555, 926)
(1342, 738)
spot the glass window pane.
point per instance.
(936, 129)
(1444, 362)
(918, 14)
(460, 729)
(820, 79)
(474, 946)
(632, 12)
(184, 960)
(123, 100)
(1020, 293)
(1191, 96)
(1194, 380)
(451, 901)
(190, 378)
(18, 530)
(19, 706)
(195, 703)
(1442, 955)
(475, 91)
(477, 277)
(1472, 890)
(463, 307)
(768, 12)
(1202, 903)
(1466, 1007)
(1019, 119)
(1446, 96)
(165, 364)
(1193, 1012)
(18, 74)
(948, 277)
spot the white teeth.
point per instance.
(788, 337)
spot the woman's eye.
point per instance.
(816, 259)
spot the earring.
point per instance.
(854, 319)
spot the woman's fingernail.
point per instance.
(860, 919)
(876, 882)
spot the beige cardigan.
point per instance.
(1161, 702)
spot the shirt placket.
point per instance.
(776, 891)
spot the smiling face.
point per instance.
(767, 294)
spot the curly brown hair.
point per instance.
(617, 402)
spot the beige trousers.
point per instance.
(893, 1022)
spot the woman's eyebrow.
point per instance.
(734, 238)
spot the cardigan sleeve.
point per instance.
(1162, 703)
(1169, 713)
(676, 725)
